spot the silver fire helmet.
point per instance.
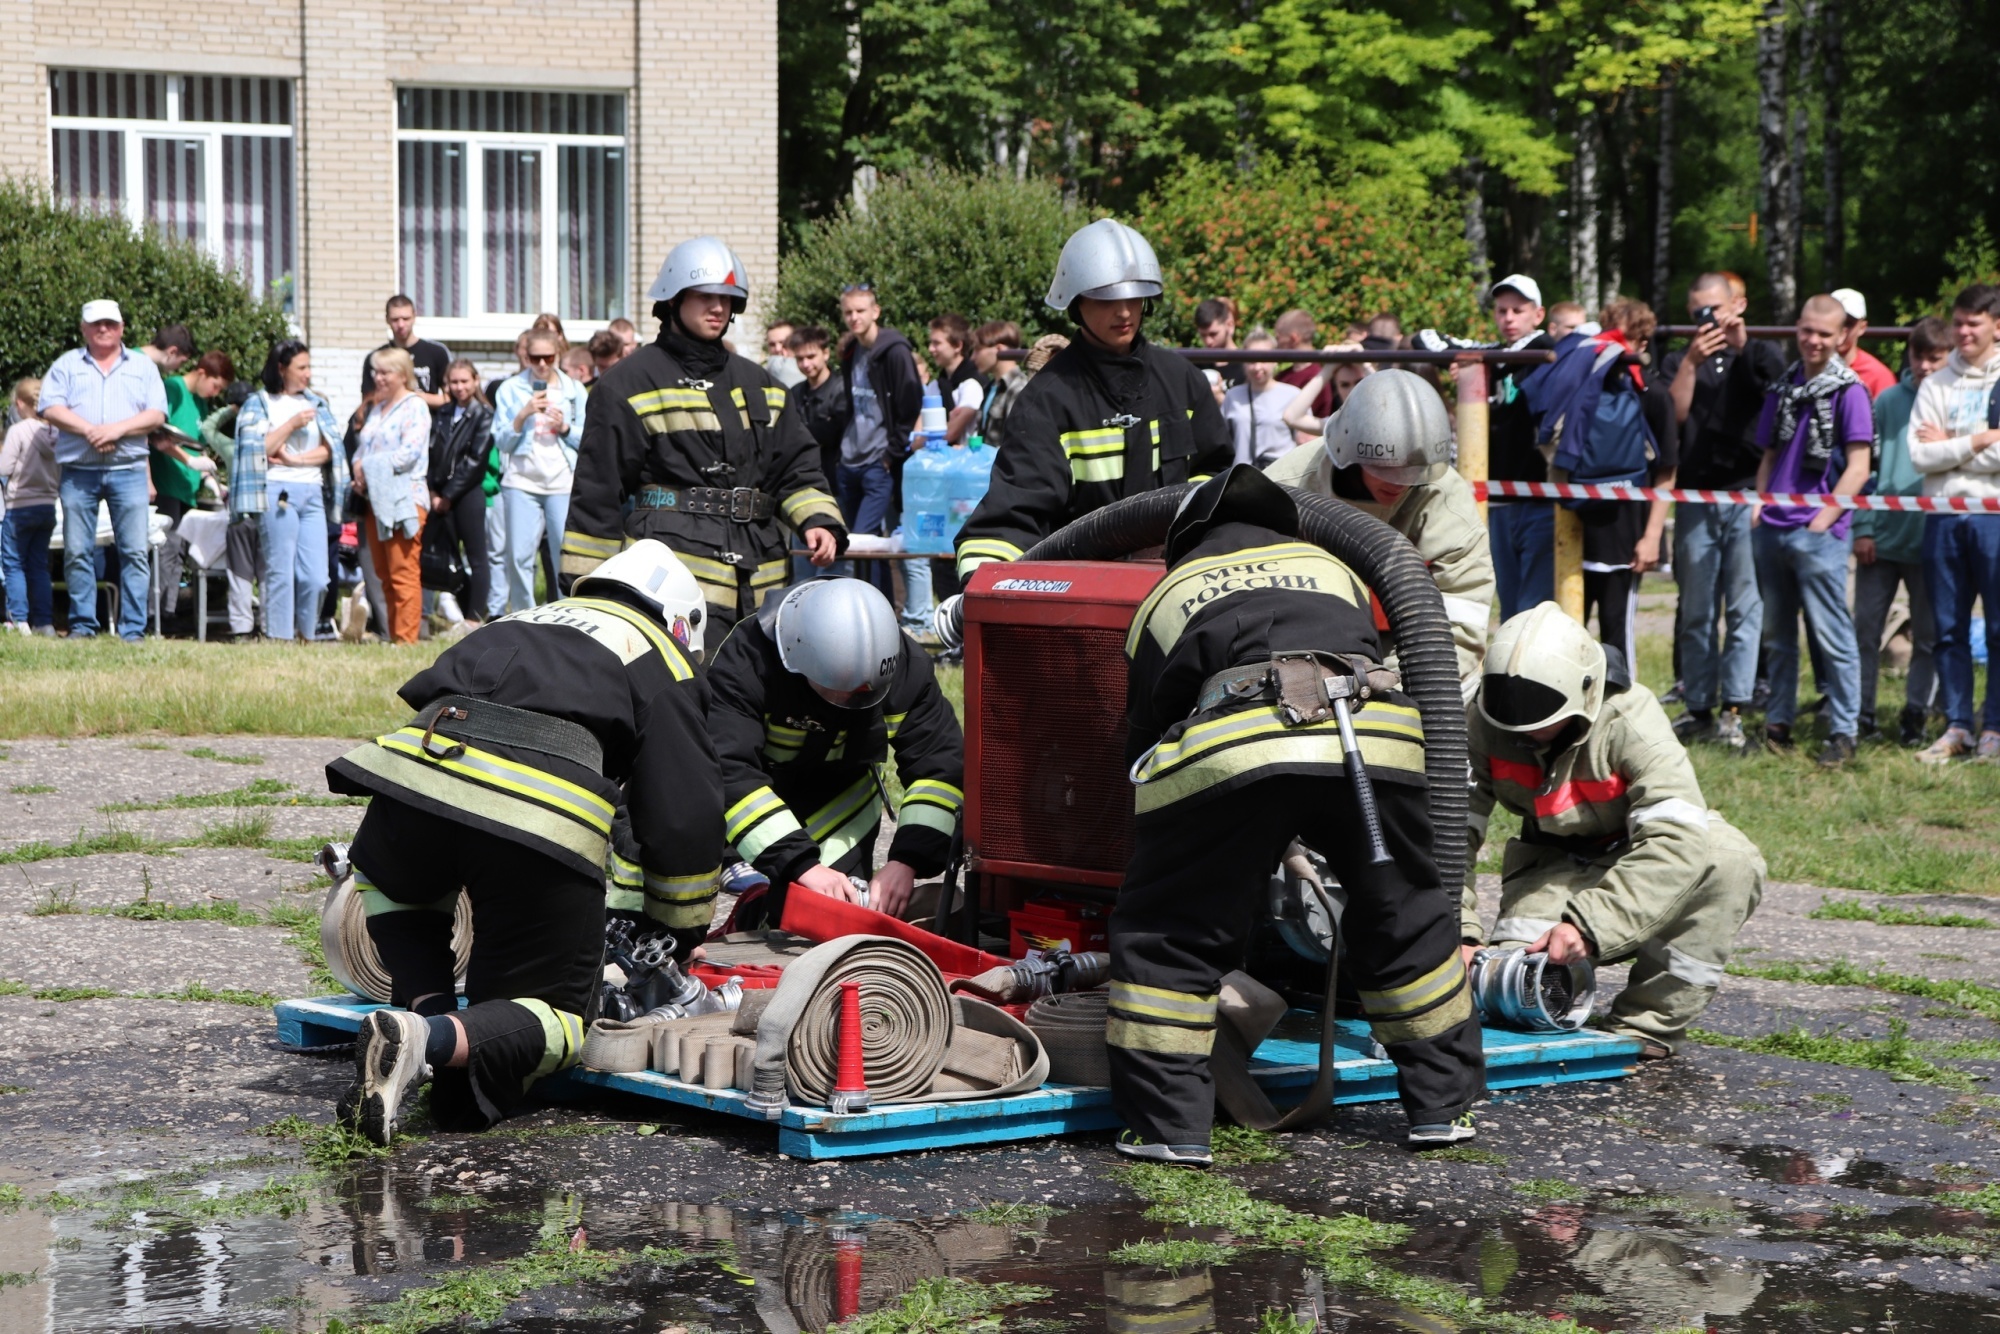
(841, 635)
(1543, 667)
(1106, 261)
(1394, 425)
(704, 264)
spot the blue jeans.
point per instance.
(124, 489)
(1523, 534)
(496, 559)
(1961, 562)
(864, 494)
(24, 552)
(294, 571)
(1713, 564)
(1806, 571)
(530, 519)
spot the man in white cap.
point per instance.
(1867, 368)
(104, 399)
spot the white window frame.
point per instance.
(485, 326)
(212, 133)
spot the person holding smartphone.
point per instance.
(289, 454)
(537, 426)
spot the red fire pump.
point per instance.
(1048, 805)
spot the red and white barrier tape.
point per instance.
(1620, 491)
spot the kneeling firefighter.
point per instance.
(1260, 712)
(506, 783)
(1109, 416)
(1619, 856)
(1387, 452)
(693, 445)
(808, 697)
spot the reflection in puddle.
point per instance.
(383, 1230)
(1832, 1167)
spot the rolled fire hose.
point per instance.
(351, 955)
(1071, 1028)
(1391, 567)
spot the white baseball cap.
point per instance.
(1519, 283)
(93, 311)
(1851, 301)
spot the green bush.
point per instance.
(983, 245)
(53, 259)
(1289, 237)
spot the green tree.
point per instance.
(980, 244)
(53, 259)
(1288, 236)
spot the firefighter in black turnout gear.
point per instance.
(528, 734)
(1240, 662)
(701, 444)
(1110, 416)
(809, 696)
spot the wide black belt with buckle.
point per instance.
(458, 718)
(1325, 677)
(741, 504)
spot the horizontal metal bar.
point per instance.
(1345, 356)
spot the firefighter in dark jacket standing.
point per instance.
(505, 783)
(1110, 416)
(1241, 662)
(700, 443)
(809, 696)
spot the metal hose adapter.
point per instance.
(1523, 991)
(1390, 566)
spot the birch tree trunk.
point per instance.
(1663, 202)
(1801, 149)
(1584, 211)
(1834, 255)
(1473, 180)
(1774, 174)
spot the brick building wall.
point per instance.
(700, 83)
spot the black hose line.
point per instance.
(1389, 565)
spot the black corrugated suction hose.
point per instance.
(1390, 566)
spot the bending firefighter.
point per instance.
(809, 696)
(1248, 663)
(700, 445)
(505, 783)
(1619, 857)
(1387, 452)
(1109, 416)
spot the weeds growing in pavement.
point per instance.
(246, 831)
(1240, 1146)
(9, 987)
(944, 1306)
(1854, 910)
(201, 991)
(453, 1202)
(1547, 1190)
(1464, 1153)
(1001, 1213)
(1172, 1253)
(56, 901)
(14, 1278)
(153, 910)
(1981, 1000)
(73, 993)
(1896, 1055)
(210, 753)
(10, 1195)
(83, 845)
(1986, 1199)
(32, 789)
(479, 1296)
(257, 792)
(1284, 1322)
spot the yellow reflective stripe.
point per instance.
(583, 544)
(620, 899)
(624, 873)
(977, 551)
(769, 573)
(710, 571)
(1097, 440)
(1190, 587)
(577, 566)
(1108, 469)
(1182, 1007)
(759, 805)
(802, 505)
(669, 647)
(934, 790)
(502, 808)
(682, 916)
(562, 1038)
(1426, 1025)
(752, 844)
(1134, 1035)
(659, 400)
(784, 731)
(841, 809)
(374, 902)
(677, 421)
(484, 767)
(684, 888)
(923, 815)
(774, 397)
(1412, 996)
(894, 722)
(1305, 745)
(1233, 728)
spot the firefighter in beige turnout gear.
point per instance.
(1619, 857)
(1387, 452)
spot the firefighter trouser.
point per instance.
(537, 950)
(1192, 893)
(1678, 956)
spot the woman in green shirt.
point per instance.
(177, 463)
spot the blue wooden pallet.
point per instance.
(1285, 1067)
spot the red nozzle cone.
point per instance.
(853, 1076)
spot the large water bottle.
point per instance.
(927, 477)
(971, 473)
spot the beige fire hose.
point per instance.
(1071, 1027)
(351, 955)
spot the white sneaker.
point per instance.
(388, 1067)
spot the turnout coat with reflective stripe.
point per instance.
(1623, 798)
(1073, 447)
(1442, 521)
(1241, 595)
(612, 670)
(649, 425)
(799, 774)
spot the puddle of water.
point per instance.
(1840, 1167)
(384, 1230)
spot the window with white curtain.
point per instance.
(204, 159)
(510, 203)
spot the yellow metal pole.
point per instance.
(1470, 379)
(1569, 561)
